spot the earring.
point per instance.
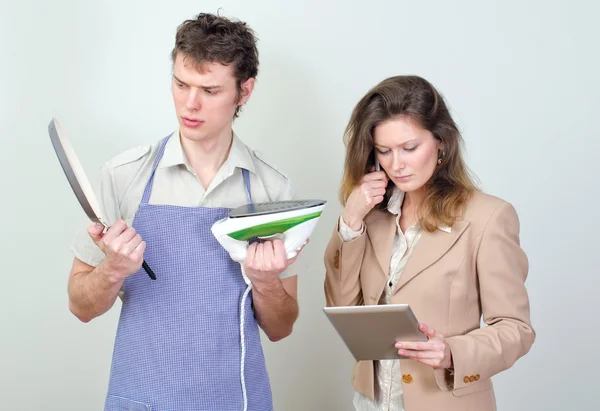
(441, 155)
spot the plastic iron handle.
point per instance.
(293, 240)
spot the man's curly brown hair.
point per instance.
(213, 39)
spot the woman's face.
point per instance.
(407, 152)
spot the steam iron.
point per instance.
(292, 221)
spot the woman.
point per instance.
(419, 232)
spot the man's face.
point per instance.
(206, 98)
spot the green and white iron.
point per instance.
(292, 221)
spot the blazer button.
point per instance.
(466, 380)
(471, 378)
(477, 377)
(336, 259)
(407, 378)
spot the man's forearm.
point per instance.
(91, 293)
(275, 310)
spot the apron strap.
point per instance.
(246, 175)
(159, 155)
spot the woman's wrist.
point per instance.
(352, 222)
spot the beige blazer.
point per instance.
(451, 281)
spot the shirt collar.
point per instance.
(394, 206)
(239, 156)
(173, 154)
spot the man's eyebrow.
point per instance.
(178, 80)
(211, 87)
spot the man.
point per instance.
(179, 343)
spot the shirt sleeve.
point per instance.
(83, 247)
(347, 233)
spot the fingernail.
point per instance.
(398, 345)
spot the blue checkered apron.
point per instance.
(178, 344)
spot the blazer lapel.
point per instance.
(381, 229)
(430, 248)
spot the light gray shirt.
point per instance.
(124, 177)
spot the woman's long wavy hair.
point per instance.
(451, 185)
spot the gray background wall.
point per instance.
(521, 78)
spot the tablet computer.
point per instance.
(370, 331)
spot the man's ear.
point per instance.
(246, 89)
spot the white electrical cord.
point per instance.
(242, 336)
